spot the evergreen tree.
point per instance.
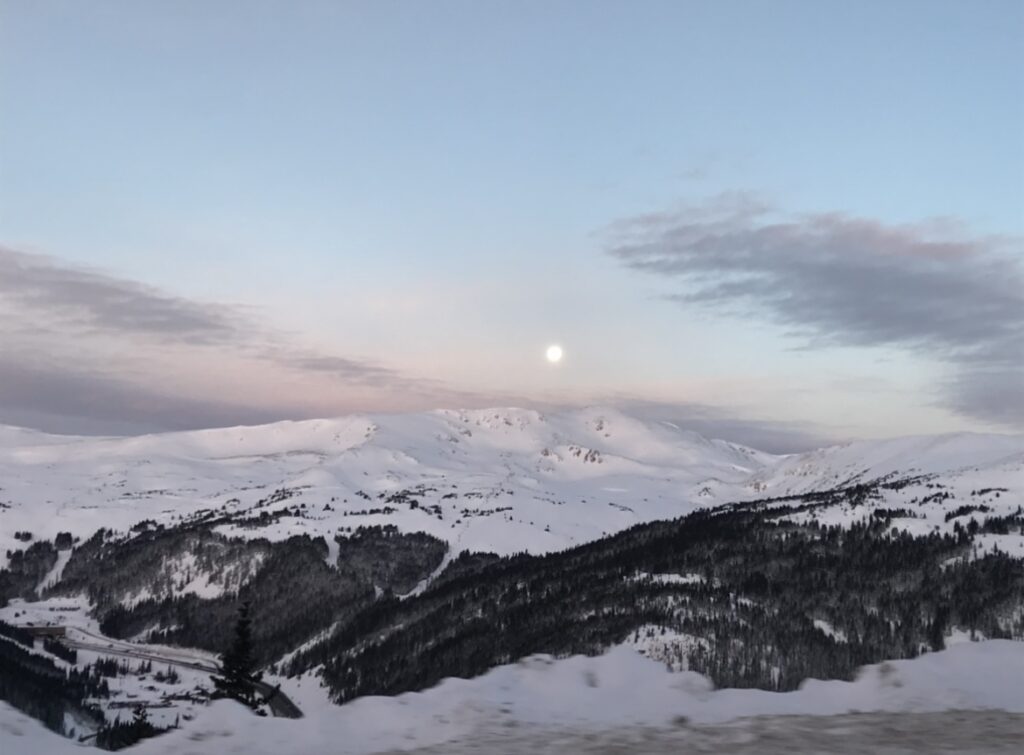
(238, 675)
(141, 727)
(119, 734)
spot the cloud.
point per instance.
(994, 395)
(64, 400)
(90, 301)
(354, 371)
(45, 296)
(833, 279)
(84, 351)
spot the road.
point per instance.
(965, 732)
(279, 703)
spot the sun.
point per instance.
(554, 354)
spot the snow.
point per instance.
(997, 484)
(565, 478)
(664, 645)
(62, 611)
(671, 579)
(619, 691)
(26, 736)
(516, 480)
(53, 576)
(623, 689)
(864, 461)
(829, 630)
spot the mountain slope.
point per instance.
(383, 554)
(501, 480)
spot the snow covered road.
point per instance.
(279, 703)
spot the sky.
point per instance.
(781, 223)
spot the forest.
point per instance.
(764, 581)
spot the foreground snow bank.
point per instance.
(619, 691)
(26, 736)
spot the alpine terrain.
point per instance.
(456, 576)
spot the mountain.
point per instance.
(499, 480)
(997, 458)
(527, 481)
(384, 554)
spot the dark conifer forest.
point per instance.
(764, 580)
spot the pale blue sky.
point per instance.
(427, 187)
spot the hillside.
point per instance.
(384, 554)
(502, 480)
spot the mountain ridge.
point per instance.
(552, 480)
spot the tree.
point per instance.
(118, 735)
(937, 628)
(238, 675)
(141, 727)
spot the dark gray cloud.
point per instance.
(50, 297)
(833, 279)
(91, 301)
(353, 371)
(45, 297)
(79, 351)
(992, 394)
(68, 400)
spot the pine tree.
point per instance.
(141, 727)
(238, 675)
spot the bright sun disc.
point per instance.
(554, 354)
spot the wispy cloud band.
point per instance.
(833, 279)
(107, 353)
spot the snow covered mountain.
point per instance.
(384, 554)
(500, 480)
